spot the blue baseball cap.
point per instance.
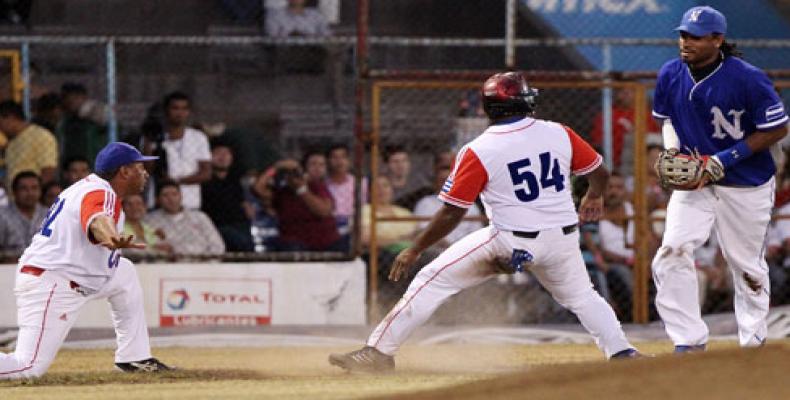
(702, 21)
(117, 154)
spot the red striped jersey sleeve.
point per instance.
(98, 202)
(584, 159)
(467, 180)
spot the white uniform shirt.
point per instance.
(183, 156)
(63, 243)
(522, 169)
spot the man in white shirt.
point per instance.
(187, 149)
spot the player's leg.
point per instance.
(690, 216)
(742, 218)
(464, 264)
(46, 310)
(125, 296)
(564, 275)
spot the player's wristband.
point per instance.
(734, 154)
(302, 190)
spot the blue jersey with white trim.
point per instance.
(735, 101)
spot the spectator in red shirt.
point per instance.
(304, 208)
(622, 125)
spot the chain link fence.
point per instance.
(268, 167)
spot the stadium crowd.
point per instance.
(201, 203)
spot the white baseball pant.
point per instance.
(558, 266)
(47, 308)
(741, 217)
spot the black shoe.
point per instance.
(149, 365)
(697, 348)
(626, 354)
(366, 359)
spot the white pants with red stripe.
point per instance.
(47, 308)
(741, 217)
(558, 265)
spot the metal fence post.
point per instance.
(112, 122)
(607, 108)
(26, 80)
(510, 35)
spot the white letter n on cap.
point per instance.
(695, 15)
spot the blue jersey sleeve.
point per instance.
(764, 103)
(661, 106)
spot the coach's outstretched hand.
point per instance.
(403, 263)
(122, 242)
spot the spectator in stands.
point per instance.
(190, 232)
(260, 210)
(402, 180)
(430, 204)
(82, 132)
(616, 229)
(441, 160)
(713, 277)
(391, 236)
(657, 196)
(49, 193)
(304, 210)
(74, 169)
(223, 199)
(778, 253)
(30, 148)
(296, 20)
(340, 183)
(622, 128)
(48, 111)
(22, 219)
(155, 239)
(187, 159)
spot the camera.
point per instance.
(283, 175)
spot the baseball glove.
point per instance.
(678, 171)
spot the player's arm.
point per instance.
(102, 231)
(586, 161)
(459, 192)
(669, 135)
(768, 115)
(591, 205)
(765, 139)
(442, 223)
(99, 225)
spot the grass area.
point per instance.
(292, 372)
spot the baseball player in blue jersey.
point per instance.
(723, 112)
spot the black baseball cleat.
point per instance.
(366, 359)
(696, 348)
(148, 365)
(626, 354)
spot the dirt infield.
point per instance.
(447, 371)
(722, 374)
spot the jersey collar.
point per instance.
(510, 125)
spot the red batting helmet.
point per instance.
(507, 94)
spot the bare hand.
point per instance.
(403, 263)
(591, 208)
(122, 242)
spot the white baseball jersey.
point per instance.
(522, 169)
(64, 244)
